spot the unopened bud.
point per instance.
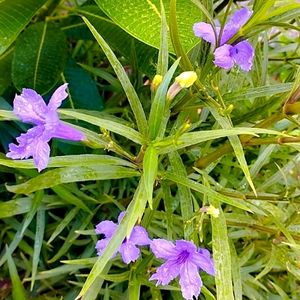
(156, 82)
(186, 79)
(211, 210)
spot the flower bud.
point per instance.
(156, 82)
(186, 79)
(214, 212)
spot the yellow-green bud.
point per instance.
(156, 82)
(186, 79)
(214, 212)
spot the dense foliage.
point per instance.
(209, 156)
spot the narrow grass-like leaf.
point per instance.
(236, 145)
(236, 273)
(159, 103)
(107, 124)
(134, 289)
(255, 92)
(221, 255)
(38, 197)
(185, 196)
(163, 55)
(70, 161)
(180, 52)
(15, 207)
(133, 99)
(150, 164)
(68, 197)
(133, 213)
(18, 291)
(63, 223)
(82, 221)
(173, 143)
(72, 174)
(38, 242)
(196, 186)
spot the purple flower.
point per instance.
(31, 108)
(184, 260)
(226, 55)
(128, 249)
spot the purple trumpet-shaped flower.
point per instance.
(226, 55)
(31, 108)
(184, 260)
(128, 249)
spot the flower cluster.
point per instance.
(31, 108)
(226, 55)
(182, 259)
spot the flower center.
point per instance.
(183, 256)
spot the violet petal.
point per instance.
(139, 236)
(163, 249)
(57, 97)
(30, 107)
(129, 252)
(223, 57)
(243, 54)
(107, 228)
(190, 281)
(63, 131)
(166, 272)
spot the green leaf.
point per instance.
(14, 16)
(107, 124)
(163, 55)
(18, 291)
(221, 255)
(39, 57)
(142, 19)
(38, 197)
(173, 143)
(150, 165)
(15, 207)
(185, 196)
(38, 242)
(159, 103)
(5, 68)
(82, 88)
(132, 96)
(72, 174)
(69, 161)
(196, 186)
(120, 39)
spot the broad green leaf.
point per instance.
(142, 19)
(38, 242)
(150, 164)
(5, 68)
(18, 290)
(132, 96)
(134, 212)
(82, 88)
(120, 39)
(39, 57)
(196, 186)
(14, 16)
(107, 124)
(72, 174)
